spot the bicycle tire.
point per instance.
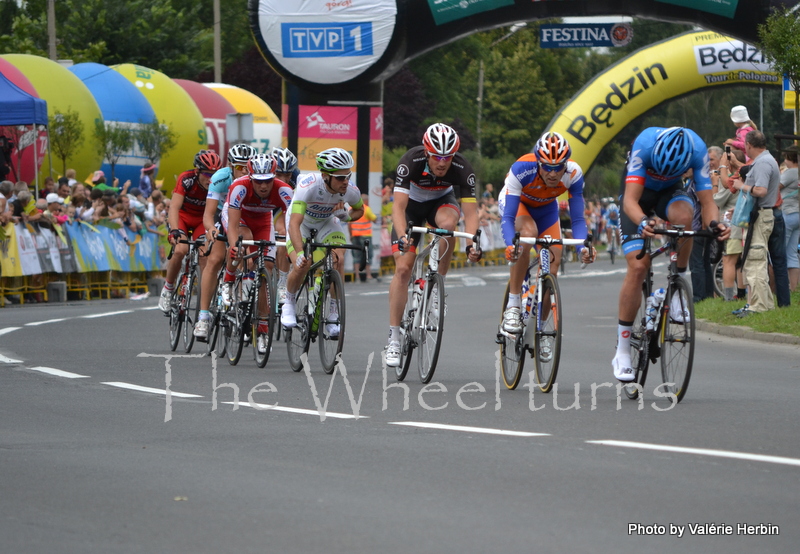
(175, 314)
(431, 328)
(237, 325)
(192, 312)
(640, 350)
(407, 343)
(548, 336)
(677, 340)
(265, 282)
(298, 338)
(330, 346)
(612, 251)
(512, 353)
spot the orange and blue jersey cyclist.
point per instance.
(529, 204)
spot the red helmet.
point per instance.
(441, 140)
(207, 160)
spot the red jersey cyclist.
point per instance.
(186, 215)
(529, 204)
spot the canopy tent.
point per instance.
(17, 107)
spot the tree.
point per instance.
(112, 141)
(66, 135)
(156, 139)
(780, 43)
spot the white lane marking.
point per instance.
(149, 308)
(702, 452)
(150, 390)
(58, 372)
(299, 411)
(93, 316)
(45, 322)
(473, 281)
(7, 330)
(484, 430)
(374, 293)
(7, 360)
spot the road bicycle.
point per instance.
(613, 245)
(184, 305)
(670, 336)
(542, 317)
(320, 308)
(252, 313)
(422, 325)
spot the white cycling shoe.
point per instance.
(512, 320)
(288, 317)
(677, 314)
(393, 354)
(622, 369)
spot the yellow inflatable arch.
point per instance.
(650, 76)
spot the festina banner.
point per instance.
(584, 35)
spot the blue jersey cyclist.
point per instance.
(611, 223)
(653, 187)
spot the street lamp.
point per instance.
(514, 28)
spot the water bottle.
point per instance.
(526, 299)
(653, 304)
(313, 301)
(247, 283)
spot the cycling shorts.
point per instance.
(545, 217)
(191, 224)
(330, 232)
(652, 202)
(422, 213)
(265, 231)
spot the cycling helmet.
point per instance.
(262, 167)
(207, 160)
(334, 159)
(441, 140)
(240, 153)
(672, 153)
(552, 148)
(287, 162)
(613, 209)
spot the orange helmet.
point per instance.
(552, 148)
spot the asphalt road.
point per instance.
(88, 464)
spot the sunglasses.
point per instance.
(342, 178)
(441, 158)
(552, 168)
(239, 167)
(208, 174)
(262, 181)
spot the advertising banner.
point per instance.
(445, 11)
(580, 35)
(725, 8)
(376, 140)
(323, 127)
(326, 42)
(651, 76)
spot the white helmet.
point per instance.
(287, 162)
(334, 159)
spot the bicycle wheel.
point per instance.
(298, 338)
(266, 286)
(612, 249)
(407, 341)
(640, 349)
(176, 313)
(192, 313)
(431, 327)
(332, 322)
(512, 354)
(547, 337)
(677, 339)
(236, 324)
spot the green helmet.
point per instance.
(334, 159)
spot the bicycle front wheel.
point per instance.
(298, 338)
(192, 303)
(512, 354)
(176, 313)
(265, 307)
(407, 341)
(331, 325)
(640, 350)
(677, 339)
(236, 324)
(547, 337)
(431, 327)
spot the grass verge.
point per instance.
(780, 320)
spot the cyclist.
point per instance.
(288, 173)
(434, 183)
(612, 223)
(653, 187)
(238, 156)
(249, 205)
(529, 204)
(319, 203)
(186, 215)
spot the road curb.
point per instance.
(742, 332)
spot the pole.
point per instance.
(480, 110)
(761, 108)
(51, 30)
(217, 43)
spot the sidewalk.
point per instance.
(744, 333)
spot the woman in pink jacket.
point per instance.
(743, 124)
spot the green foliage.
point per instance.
(112, 141)
(780, 43)
(391, 157)
(66, 135)
(780, 320)
(156, 139)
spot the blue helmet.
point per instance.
(673, 152)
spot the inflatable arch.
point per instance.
(652, 75)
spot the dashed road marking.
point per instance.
(58, 372)
(45, 322)
(298, 410)
(483, 430)
(129, 386)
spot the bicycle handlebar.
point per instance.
(191, 243)
(679, 231)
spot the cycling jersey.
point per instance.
(525, 186)
(194, 201)
(220, 183)
(415, 179)
(256, 211)
(311, 198)
(640, 163)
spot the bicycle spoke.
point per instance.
(547, 338)
(431, 327)
(332, 321)
(677, 339)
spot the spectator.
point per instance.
(78, 200)
(743, 124)
(63, 189)
(791, 214)
(55, 209)
(24, 206)
(762, 182)
(6, 192)
(6, 147)
(48, 187)
(126, 215)
(146, 183)
(488, 190)
(725, 196)
(71, 177)
(360, 231)
(700, 260)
